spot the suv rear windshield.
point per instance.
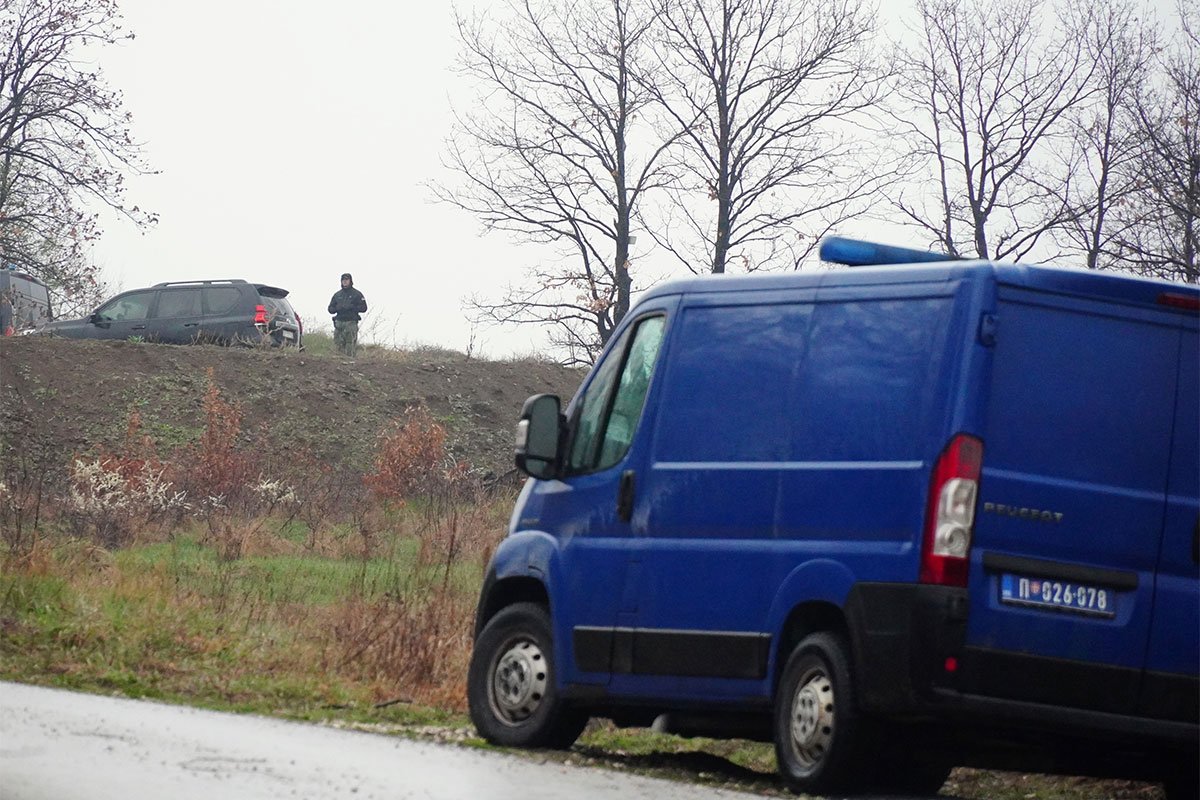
(276, 303)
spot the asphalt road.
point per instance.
(59, 745)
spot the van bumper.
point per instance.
(909, 649)
(902, 635)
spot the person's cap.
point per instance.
(346, 276)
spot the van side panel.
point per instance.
(869, 406)
(788, 432)
(1170, 688)
(1072, 494)
(721, 446)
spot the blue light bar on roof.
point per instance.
(854, 253)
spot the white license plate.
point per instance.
(1078, 598)
(289, 334)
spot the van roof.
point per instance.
(25, 276)
(1056, 280)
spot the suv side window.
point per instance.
(221, 299)
(610, 410)
(132, 306)
(179, 303)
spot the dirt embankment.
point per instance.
(73, 396)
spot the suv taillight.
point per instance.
(950, 517)
(299, 323)
(260, 315)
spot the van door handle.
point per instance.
(139, 327)
(190, 324)
(625, 496)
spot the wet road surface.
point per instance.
(59, 745)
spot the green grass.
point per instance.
(302, 578)
(275, 633)
(173, 621)
(320, 343)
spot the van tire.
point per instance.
(1182, 784)
(819, 734)
(511, 689)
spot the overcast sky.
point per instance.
(292, 139)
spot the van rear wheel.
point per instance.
(818, 732)
(510, 684)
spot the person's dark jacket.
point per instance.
(347, 304)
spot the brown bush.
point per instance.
(216, 466)
(410, 459)
(119, 491)
(415, 646)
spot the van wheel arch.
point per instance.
(807, 618)
(506, 592)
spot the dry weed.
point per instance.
(413, 647)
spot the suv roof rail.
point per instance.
(856, 253)
(199, 283)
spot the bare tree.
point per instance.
(65, 139)
(1160, 221)
(983, 94)
(1104, 144)
(764, 91)
(558, 151)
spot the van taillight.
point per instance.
(1186, 302)
(950, 518)
(299, 323)
(260, 315)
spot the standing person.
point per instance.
(346, 306)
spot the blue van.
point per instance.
(894, 518)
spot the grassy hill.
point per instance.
(74, 396)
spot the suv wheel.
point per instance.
(510, 685)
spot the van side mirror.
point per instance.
(94, 318)
(539, 436)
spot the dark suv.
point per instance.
(189, 312)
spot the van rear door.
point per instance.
(1170, 689)
(1076, 442)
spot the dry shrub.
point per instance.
(119, 491)
(234, 536)
(78, 556)
(30, 472)
(216, 468)
(414, 646)
(124, 490)
(410, 459)
(136, 455)
(34, 559)
(322, 493)
(454, 528)
(17, 498)
(415, 642)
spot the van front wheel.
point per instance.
(818, 732)
(510, 684)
